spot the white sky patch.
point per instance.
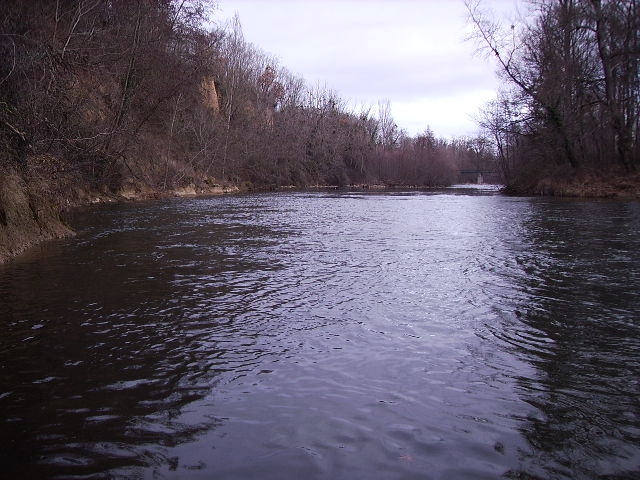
(406, 51)
(446, 116)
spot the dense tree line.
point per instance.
(123, 93)
(90, 85)
(571, 96)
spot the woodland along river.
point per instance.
(458, 334)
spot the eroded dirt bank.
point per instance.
(33, 208)
(27, 214)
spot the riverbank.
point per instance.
(27, 214)
(33, 207)
(583, 184)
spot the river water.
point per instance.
(458, 334)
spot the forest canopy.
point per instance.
(119, 94)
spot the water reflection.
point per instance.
(327, 335)
(581, 332)
(107, 350)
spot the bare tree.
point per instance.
(388, 134)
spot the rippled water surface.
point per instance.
(450, 335)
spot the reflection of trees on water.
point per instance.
(581, 275)
(120, 373)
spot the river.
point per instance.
(457, 334)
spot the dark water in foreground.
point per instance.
(458, 335)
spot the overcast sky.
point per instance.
(410, 52)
